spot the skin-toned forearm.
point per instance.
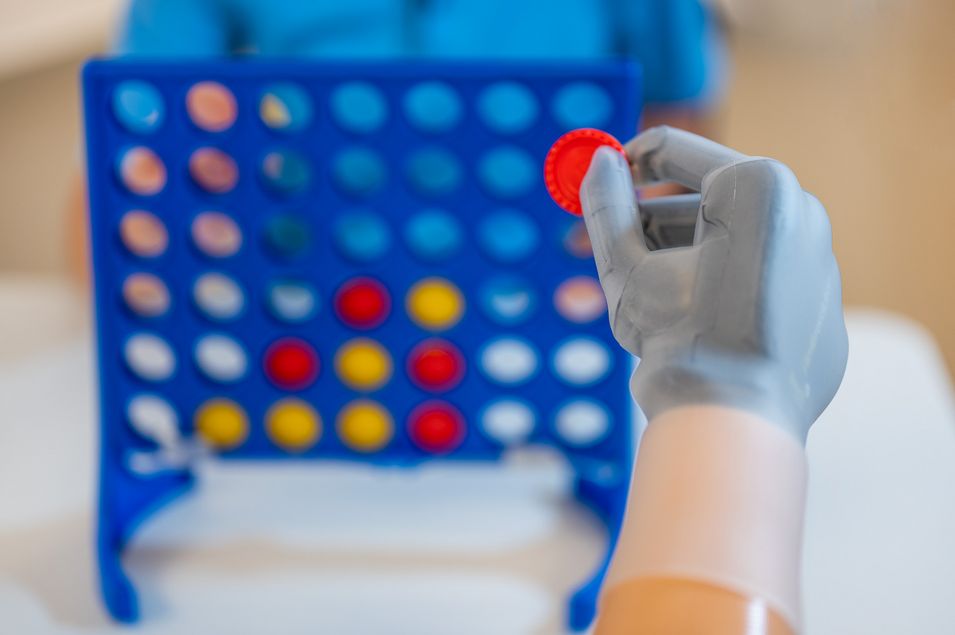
(711, 543)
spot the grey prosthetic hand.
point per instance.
(729, 297)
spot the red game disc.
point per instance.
(291, 364)
(567, 163)
(436, 427)
(362, 303)
(436, 365)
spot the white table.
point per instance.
(348, 551)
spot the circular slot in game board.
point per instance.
(582, 361)
(507, 107)
(582, 423)
(576, 240)
(141, 171)
(507, 172)
(363, 364)
(435, 304)
(433, 235)
(138, 107)
(293, 425)
(221, 423)
(582, 105)
(436, 427)
(285, 107)
(221, 358)
(362, 303)
(213, 170)
(365, 426)
(508, 236)
(292, 301)
(508, 300)
(359, 172)
(218, 297)
(291, 364)
(149, 357)
(436, 365)
(434, 172)
(362, 236)
(211, 106)
(509, 361)
(286, 172)
(358, 107)
(146, 295)
(433, 107)
(216, 235)
(580, 300)
(508, 421)
(287, 236)
(153, 418)
(143, 234)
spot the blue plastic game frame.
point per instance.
(126, 499)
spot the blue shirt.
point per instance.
(676, 41)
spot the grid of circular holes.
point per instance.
(216, 235)
(507, 107)
(221, 358)
(211, 106)
(138, 107)
(149, 357)
(433, 235)
(582, 422)
(508, 300)
(218, 297)
(508, 421)
(146, 295)
(213, 170)
(582, 361)
(143, 234)
(433, 107)
(285, 107)
(141, 171)
(358, 107)
(580, 299)
(509, 360)
(292, 301)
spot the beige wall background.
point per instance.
(857, 96)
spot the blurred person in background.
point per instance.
(677, 42)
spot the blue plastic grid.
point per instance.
(600, 94)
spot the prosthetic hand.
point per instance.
(732, 300)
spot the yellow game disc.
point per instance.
(221, 423)
(435, 304)
(293, 425)
(365, 426)
(363, 364)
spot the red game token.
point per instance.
(567, 163)
(436, 365)
(436, 427)
(362, 303)
(291, 364)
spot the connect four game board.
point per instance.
(359, 262)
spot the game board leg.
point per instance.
(608, 500)
(125, 502)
